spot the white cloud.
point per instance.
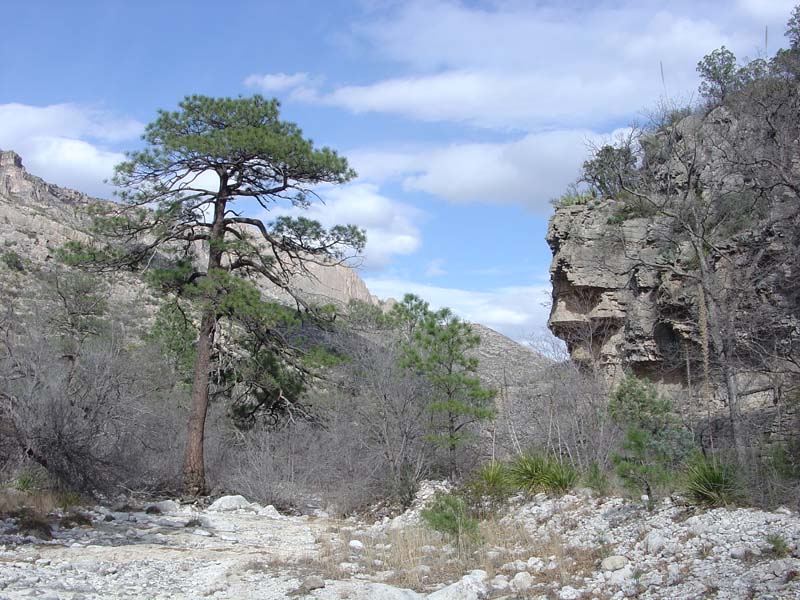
(66, 143)
(496, 99)
(767, 9)
(534, 66)
(435, 268)
(391, 226)
(513, 311)
(529, 171)
(277, 82)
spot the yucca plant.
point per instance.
(527, 472)
(712, 482)
(534, 473)
(559, 477)
(494, 480)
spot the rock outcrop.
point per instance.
(624, 299)
(605, 288)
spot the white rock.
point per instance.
(613, 563)
(499, 583)
(269, 511)
(621, 576)
(569, 593)
(471, 587)
(228, 503)
(739, 552)
(166, 507)
(654, 542)
(356, 545)
(522, 582)
(535, 564)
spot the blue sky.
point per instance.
(463, 119)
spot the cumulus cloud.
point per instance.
(276, 82)
(391, 226)
(530, 171)
(513, 311)
(67, 144)
(533, 66)
(298, 86)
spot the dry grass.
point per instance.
(36, 510)
(417, 557)
(39, 501)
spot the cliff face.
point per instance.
(605, 297)
(36, 218)
(625, 299)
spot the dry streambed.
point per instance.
(567, 548)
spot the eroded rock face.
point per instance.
(626, 297)
(606, 288)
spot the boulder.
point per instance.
(229, 503)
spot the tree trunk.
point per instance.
(721, 339)
(451, 447)
(194, 473)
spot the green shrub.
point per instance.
(29, 480)
(12, 260)
(494, 480)
(655, 443)
(778, 546)
(711, 482)
(449, 514)
(488, 489)
(575, 196)
(596, 478)
(534, 473)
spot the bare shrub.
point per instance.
(80, 399)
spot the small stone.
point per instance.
(654, 542)
(739, 552)
(314, 582)
(569, 593)
(356, 545)
(613, 563)
(499, 583)
(522, 582)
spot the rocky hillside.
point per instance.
(36, 218)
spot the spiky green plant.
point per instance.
(712, 482)
(535, 473)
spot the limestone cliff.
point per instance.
(624, 299)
